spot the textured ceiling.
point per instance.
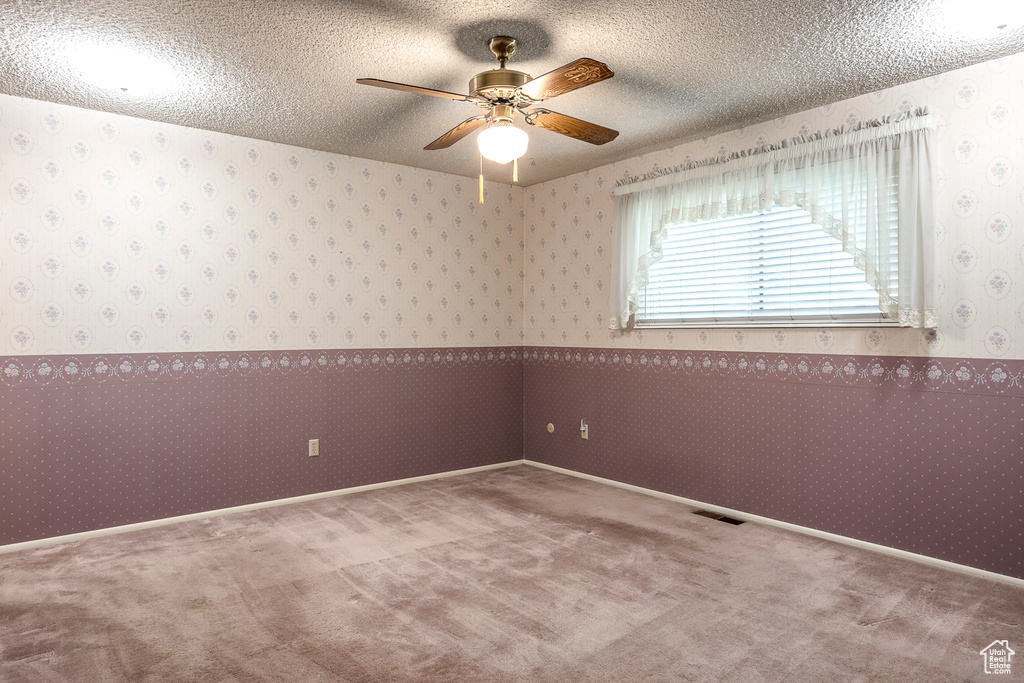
(285, 70)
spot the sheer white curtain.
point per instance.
(841, 177)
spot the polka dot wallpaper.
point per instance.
(980, 231)
(913, 462)
(127, 235)
(91, 441)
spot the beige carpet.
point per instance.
(517, 574)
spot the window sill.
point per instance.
(769, 324)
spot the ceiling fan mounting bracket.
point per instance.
(502, 47)
(501, 85)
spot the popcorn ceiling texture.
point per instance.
(128, 235)
(285, 71)
(980, 252)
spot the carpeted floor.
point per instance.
(517, 574)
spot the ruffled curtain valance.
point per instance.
(842, 178)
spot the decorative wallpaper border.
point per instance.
(24, 371)
(977, 376)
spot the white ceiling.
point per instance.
(285, 70)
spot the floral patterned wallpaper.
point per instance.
(124, 235)
(980, 230)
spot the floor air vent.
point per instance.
(720, 518)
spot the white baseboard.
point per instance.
(903, 554)
(109, 531)
(885, 550)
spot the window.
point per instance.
(761, 237)
(772, 268)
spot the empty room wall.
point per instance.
(905, 438)
(183, 310)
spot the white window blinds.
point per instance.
(767, 268)
(868, 187)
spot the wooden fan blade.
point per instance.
(457, 133)
(574, 128)
(572, 76)
(410, 88)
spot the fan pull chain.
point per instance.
(515, 170)
(481, 178)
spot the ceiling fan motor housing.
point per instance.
(498, 84)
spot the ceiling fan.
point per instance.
(503, 92)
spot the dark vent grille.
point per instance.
(720, 518)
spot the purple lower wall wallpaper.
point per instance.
(91, 442)
(924, 455)
(920, 454)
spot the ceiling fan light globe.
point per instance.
(502, 143)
